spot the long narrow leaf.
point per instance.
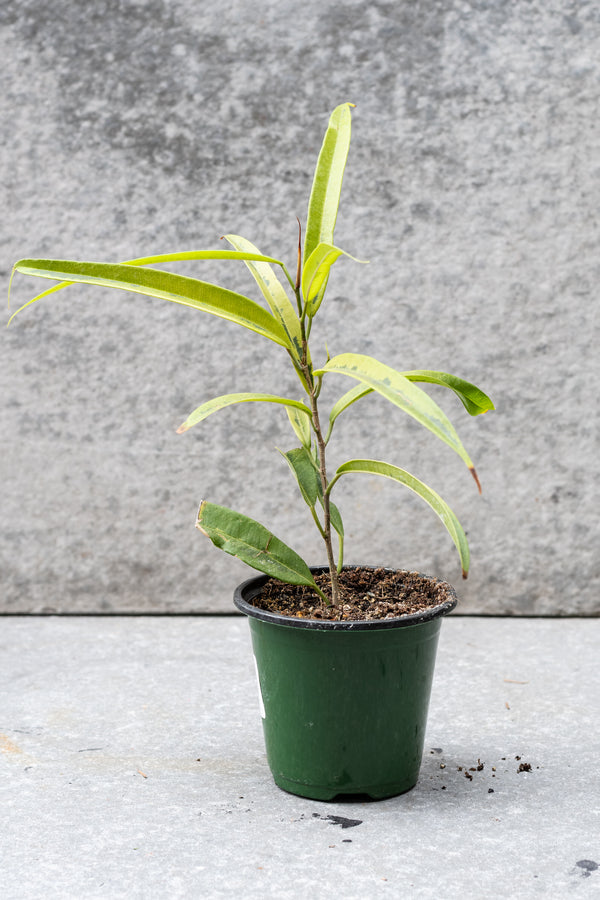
(472, 398)
(46, 293)
(211, 406)
(178, 256)
(272, 290)
(251, 542)
(155, 283)
(191, 255)
(396, 388)
(453, 526)
(327, 184)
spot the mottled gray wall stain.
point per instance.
(473, 187)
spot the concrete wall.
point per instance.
(138, 127)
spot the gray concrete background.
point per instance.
(133, 127)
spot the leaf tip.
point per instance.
(181, 429)
(474, 474)
(465, 574)
(198, 525)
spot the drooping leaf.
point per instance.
(315, 274)
(305, 469)
(155, 283)
(300, 462)
(336, 518)
(396, 388)
(211, 406)
(254, 544)
(272, 290)
(327, 183)
(453, 526)
(473, 399)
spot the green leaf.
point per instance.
(211, 406)
(46, 293)
(272, 290)
(155, 283)
(190, 255)
(453, 526)
(307, 475)
(327, 183)
(350, 397)
(315, 273)
(336, 518)
(396, 388)
(251, 542)
(473, 399)
(301, 425)
(180, 256)
(300, 462)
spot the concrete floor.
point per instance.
(133, 766)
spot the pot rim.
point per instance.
(252, 586)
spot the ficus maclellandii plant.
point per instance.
(290, 305)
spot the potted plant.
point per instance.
(344, 656)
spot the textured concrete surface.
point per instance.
(132, 127)
(133, 766)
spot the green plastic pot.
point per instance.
(344, 704)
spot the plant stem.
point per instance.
(313, 389)
(326, 530)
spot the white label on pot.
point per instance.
(261, 705)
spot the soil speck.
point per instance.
(587, 866)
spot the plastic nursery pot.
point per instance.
(344, 704)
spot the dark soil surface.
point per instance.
(365, 594)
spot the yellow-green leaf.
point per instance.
(155, 283)
(346, 400)
(272, 290)
(300, 422)
(396, 388)
(178, 256)
(315, 274)
(327, 183)
(211, 406)
(453, 526)
(472, 398)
